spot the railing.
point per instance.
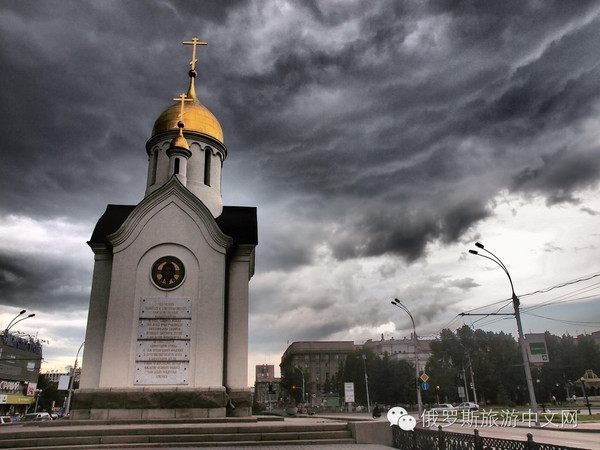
(425, 439)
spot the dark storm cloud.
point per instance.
(368, 128)
(560, 175)
(509, 78)
(43, 283)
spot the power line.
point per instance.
(541, 291)
(578, 280)
(568, 322)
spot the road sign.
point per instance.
(424, 377)
(349, 392)
(424, 386)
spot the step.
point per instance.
(173, 435)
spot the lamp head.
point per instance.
(474, 252)
(23, 311)
(479, 245)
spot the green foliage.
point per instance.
(391, 382)
(50, 395)
(291, 383)
(497, 365)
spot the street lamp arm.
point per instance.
(14, 322)
(397, 303)
(10, 324)
(498, 262)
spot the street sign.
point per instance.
(536, 348)
(424, 377)
(424, 386)
(349, 392)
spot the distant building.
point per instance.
(402, 349)
(266, 385)
(54, 376)
(20, 361)
(318, 362)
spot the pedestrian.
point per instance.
(376, 411)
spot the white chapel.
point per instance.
(167, 332)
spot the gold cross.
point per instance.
(182, 98)
(195, 42)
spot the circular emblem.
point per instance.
(168, 272)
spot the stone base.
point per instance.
(242, 400)
(156, 403)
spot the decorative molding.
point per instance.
(166, 195)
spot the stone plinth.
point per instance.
(104, 404)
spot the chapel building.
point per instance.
(167, 331)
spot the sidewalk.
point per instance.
(585, 426)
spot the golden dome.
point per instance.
(196, 117)
(179, 140)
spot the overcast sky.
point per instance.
(378, 140)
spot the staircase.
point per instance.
(173, 433)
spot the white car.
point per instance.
(440, 408)
(36, 417)
(468, 406)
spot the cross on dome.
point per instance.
(194, 42)
(182, 98)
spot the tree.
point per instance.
(498, 366)
(391, 382)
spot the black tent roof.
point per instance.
(238, 222)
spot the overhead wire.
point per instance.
(564, 298)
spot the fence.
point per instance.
(425, 439)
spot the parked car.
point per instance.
(36, 417)
(468, 406)
(5, 419)
(441, 407)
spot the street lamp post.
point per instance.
(397, 303)
(68, 408)
(472, 380)
(472, 376)
(364, 358)
(38, 392)
(587, 402)
(516, 303)
(301, 373)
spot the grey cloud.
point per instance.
(559, 176)
(43, 283)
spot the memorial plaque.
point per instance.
(164, 329)
(161, 372)
(163, 351)
(165, 308)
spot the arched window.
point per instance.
(207, 158)
(153, 163)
